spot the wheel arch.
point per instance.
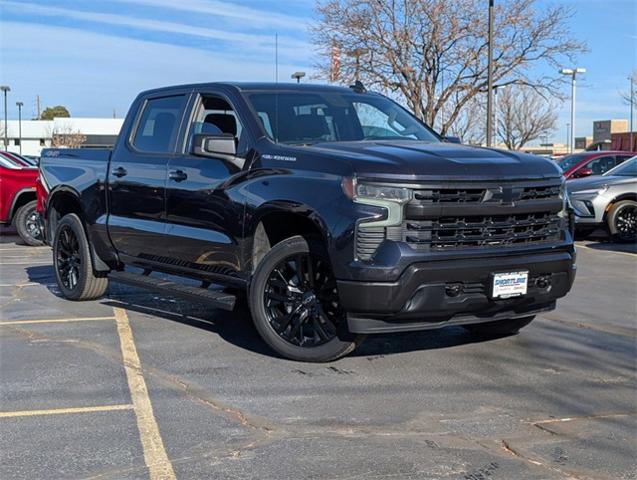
(20, 198)
(277, 221)
(63, 201)
(624, 196)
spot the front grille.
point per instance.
(482, 231)
(467, 215)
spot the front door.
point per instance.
(137, 180)
(203, 215)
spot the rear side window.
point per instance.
(159, 124)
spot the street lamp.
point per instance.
(632, 79)
(5, 89)
(20, 104)
(572, 72)
(298, 76)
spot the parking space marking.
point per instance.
(155, 457)
(60, 411)
(18, 285)
(57, 320)
(33, 262)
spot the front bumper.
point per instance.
(444, 292)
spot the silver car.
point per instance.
(609, 201)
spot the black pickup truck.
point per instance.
(333, 209)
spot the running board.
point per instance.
(220, 300)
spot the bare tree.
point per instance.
(466, 126)
(523, 116)
(65, 136)
(626, 94)
(432, 53)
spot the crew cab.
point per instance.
(18, 197)
(336, 212)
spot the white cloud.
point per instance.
(93, 73)
(262, 44)
(257, 18)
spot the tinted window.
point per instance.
(158, 126)
(570, 160)
(305, 118)
(601, 165)
(626, 169)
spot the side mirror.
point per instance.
(583, 172)
(206, 145)
(452, 139)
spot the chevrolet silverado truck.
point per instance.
(333, 210)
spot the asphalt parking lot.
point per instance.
(141, 386)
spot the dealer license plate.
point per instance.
(511, 284)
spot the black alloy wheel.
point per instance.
(293, 298)
(28, 223)
(69, 260)
(301, 301)
(626, 223)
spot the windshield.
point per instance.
(626, 169)
(310, 117)
(570, 160)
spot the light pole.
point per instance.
(298, 76)
(5, 89)
(568, 136)
(572, 72)
(490, 76)
(20, 104)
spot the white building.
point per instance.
(37, 134)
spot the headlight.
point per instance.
(389, 197)
(381, 192)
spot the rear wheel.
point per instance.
(29, 225)
(294, 303)
(500, 327)
(622, 221)
(72, 261)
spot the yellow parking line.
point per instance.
(57, 320)
(155, 457)
(26, 263)
(58, 411)
(18, 284)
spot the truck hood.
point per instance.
(422, 160)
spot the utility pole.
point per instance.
(19, 105)
(37, 107)
(490, 77)
(568, 136)
(572, 72)
(5, 89)
(632, 103)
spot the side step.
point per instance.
(220, 300)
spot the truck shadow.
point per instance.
(236, 327)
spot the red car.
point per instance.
(18, 197)
(584, 164)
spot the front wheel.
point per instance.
(72, 261)
(294, 303)
(29, 225)
(622, 221)
(499, 327)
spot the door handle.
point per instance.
(119, 172)
(177, 175)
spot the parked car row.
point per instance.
(607, 201)
(18, 176)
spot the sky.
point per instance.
(94, 56)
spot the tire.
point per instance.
(500, 327)
(27, 222)
(315, 308)
(622, 221)
(72, 261)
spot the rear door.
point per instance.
(137, 178)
